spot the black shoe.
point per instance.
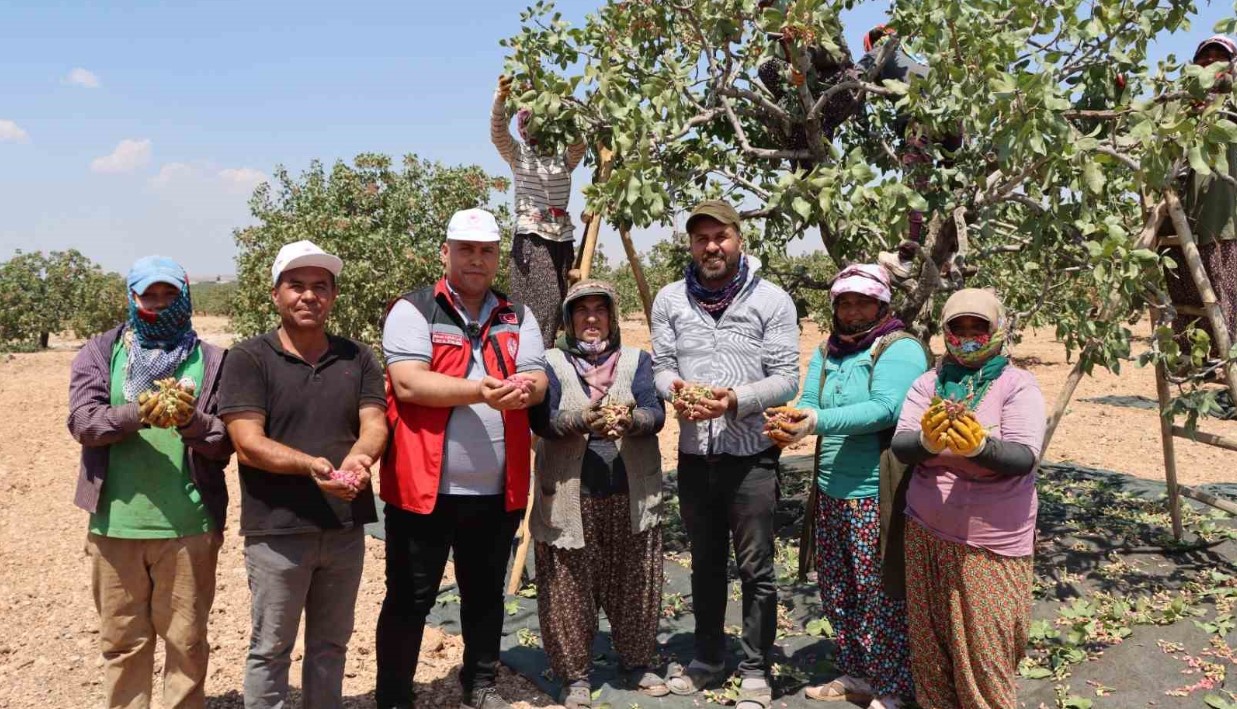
(485, 698)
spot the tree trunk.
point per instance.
(44, 337)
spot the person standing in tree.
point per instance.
(825, 69)
(152, 480)
(915, 152)
(1210, 204)
(543, 249)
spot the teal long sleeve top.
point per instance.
(854, 406)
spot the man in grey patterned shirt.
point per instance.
(726, 347)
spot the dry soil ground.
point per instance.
(48, 628)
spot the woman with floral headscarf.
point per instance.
(597, 519)
(854, 390)
(972, 429)
(543, 249)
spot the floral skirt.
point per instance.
(970, 619)
(869, 626)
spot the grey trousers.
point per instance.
(318, 573)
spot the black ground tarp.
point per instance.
(1125, 616)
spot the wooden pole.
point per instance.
(521, 552)
(589, 247)
(1210, 439)
(1194, 260)
(646, 298)
(1144, 241)
(1063, 399)
(1170, 455)
(1208, 499)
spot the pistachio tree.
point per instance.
(1071, 136)
(386, 220)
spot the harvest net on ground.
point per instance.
(1123, 615)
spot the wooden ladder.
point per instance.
(1210, 310)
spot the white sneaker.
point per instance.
(887, 702)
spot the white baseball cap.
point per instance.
(473, 225)
(303, 253)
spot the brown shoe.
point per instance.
(842, 689)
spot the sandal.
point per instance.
(647, 682)
(758, 697)
(576, 695)
(842, 689)
(693, 678)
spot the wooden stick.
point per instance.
(1145, 239)
(594, 225)
(646, 298)
(526, 538)
(1208, 499)
(1170, 455)
(1210, 439)
(1063, 399)
(1202, 281)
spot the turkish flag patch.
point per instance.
(508, 318)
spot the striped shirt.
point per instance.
(542, 182)
(753, 349)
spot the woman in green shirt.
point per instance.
(851, 400)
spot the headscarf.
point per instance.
(885, 31)
(522, 117)
(596, 363)
(972, 363)
(1227, 44)
(872, 281)
(715, 302)
(160, 341)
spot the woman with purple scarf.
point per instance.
(597, 507)
(852, 397)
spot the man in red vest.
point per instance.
(463, 365)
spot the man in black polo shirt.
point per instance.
(306, 412)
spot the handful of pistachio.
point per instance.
(169, 404)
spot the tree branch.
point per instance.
(743, 182)
(1120, 157)
(860, 86)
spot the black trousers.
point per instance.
(478, 531)
(724, 498)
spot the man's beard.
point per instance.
(714, 269)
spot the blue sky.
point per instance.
(129, 128)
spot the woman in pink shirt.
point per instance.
(972, 429)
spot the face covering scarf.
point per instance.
(161, 342)
(971, 367)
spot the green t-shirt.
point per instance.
(148, 493)
(1211, 204)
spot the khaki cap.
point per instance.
(977, 302)
(715, 209)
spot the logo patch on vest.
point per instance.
(508, 318)
(512, 347)
(447, 338)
